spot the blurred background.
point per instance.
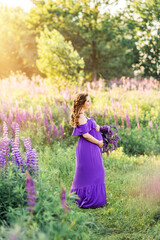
(79, 41)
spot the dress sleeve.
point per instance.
(84, 128)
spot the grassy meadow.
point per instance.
(33, 110)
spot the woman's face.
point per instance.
(87, 103)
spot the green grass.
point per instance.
(128, 215)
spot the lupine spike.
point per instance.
(63, 200)
(18, 157)
(127, 120)
(30, 192)
(61, 129)
(17, 134)
(5, 130)
(28, 150)
(150, 125)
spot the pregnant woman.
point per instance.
(89, 178)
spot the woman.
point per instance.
(89, 178)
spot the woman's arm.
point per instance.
(90, 138)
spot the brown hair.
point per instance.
(78, 103)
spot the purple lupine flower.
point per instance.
(54, 131)
(156, 126)
(29, 140)
(150, 124)
(45, 122)
(5, 130)
(115, 117)
(30, 192)
(38, 117)
(121, 118)
(3, 154)
(28, 151)
(63, 200)
(4, 149)
(138, 126)
(18, 158)
(32, 163)
(1, 159)
(127, 120)
(110, 139)
(131, 108)
(49, 133)
(17, 134)
(57, 132)
(10, 115)
(65, 108)
(12, 128)
(104, 114)
(32, 158)
(56, 101)
(28, 115)
(13, 152)
(61, 128)
(50, 114)
(35, 162)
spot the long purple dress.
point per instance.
(89, 178)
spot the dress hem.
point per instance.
(90, 196)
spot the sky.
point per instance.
(27, 4)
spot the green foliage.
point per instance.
(145, 142)
(50, 219)
(58, 59)
(98, 37)
(148, 34)
(12, 193)
(17, 43)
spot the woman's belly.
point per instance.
(84, 142)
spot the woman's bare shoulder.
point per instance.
(82, 119)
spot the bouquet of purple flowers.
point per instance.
(110, 138)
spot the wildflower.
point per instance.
(5, 130)
(63, 200)
(4, 148)
(32, 158)
(30, 192)
(18, 158)
(61, 128)
(109, 138)
(17, 135)
(28, 150)
(150, 124)
(138, 126)
(127, 120)
(35, 162)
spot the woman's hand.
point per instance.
(97, 128)
(100, 144)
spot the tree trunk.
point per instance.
(94, 62)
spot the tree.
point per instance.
(147, 15)
(58, 59)
(17, 43)
(97, 37)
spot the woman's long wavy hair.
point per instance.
(78, 103)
